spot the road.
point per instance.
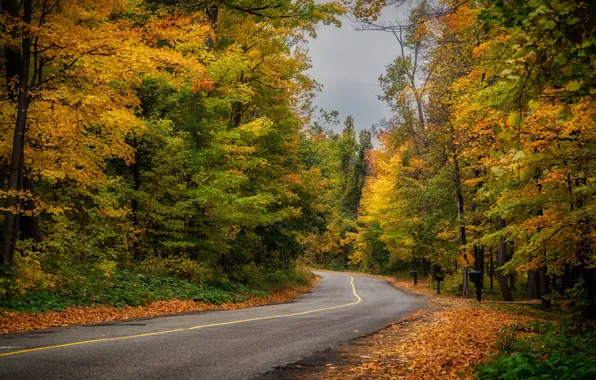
(231, 344)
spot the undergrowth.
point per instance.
(121, 287)
(542, 351)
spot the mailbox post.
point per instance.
(439, 278)
(476, 278)
(415, 275)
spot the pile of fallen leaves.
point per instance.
(16, 322)
(446, 345)
(439, 344)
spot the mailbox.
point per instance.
(439, 278)
(415, 275)
(475, 276)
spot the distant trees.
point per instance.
(345, 164)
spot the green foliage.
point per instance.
(287, 279)
(548, 353)
(338, 264)
(272, 280)
(578, 305)
(181, 267)
(200, 175)
(120, 288)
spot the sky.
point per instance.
(348, 63)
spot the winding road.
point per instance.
(231, 344)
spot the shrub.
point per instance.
(121, 288)
(550, 354)
(178, 266)
(250, 275)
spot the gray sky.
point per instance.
(347, 63)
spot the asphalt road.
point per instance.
(232, 344)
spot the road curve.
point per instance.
(231, 344)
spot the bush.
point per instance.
(286, 279)
(250, 275)
(178, 266)
(338, 264)
(550, 354)
(121, 288)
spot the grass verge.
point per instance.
(130, 295)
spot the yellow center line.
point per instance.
(186, 328)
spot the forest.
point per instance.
(152, 149)
(154, 138)
(489, 152)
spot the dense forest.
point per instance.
(490, 150)
(179, 139)
(160, 137)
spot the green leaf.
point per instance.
(518, 155)
(533, 104)
(515, 120)
(572, 20)
(574, 85)
(550, 24)
(561, 59)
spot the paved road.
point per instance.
(232, 344)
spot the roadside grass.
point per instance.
(122, 288)
(126, 287)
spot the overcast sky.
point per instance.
(348, 63)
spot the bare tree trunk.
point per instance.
(501, 260)
(12, 59)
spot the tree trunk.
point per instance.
(212, 12)
(10, 227)
(29, 224)
(566, 282)
(491, 272)
(543, 281)
(425, 268)
(588, 275)
(501, 260)
(512, 278)
(481, 265)
(460, 217)
(533, 288)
